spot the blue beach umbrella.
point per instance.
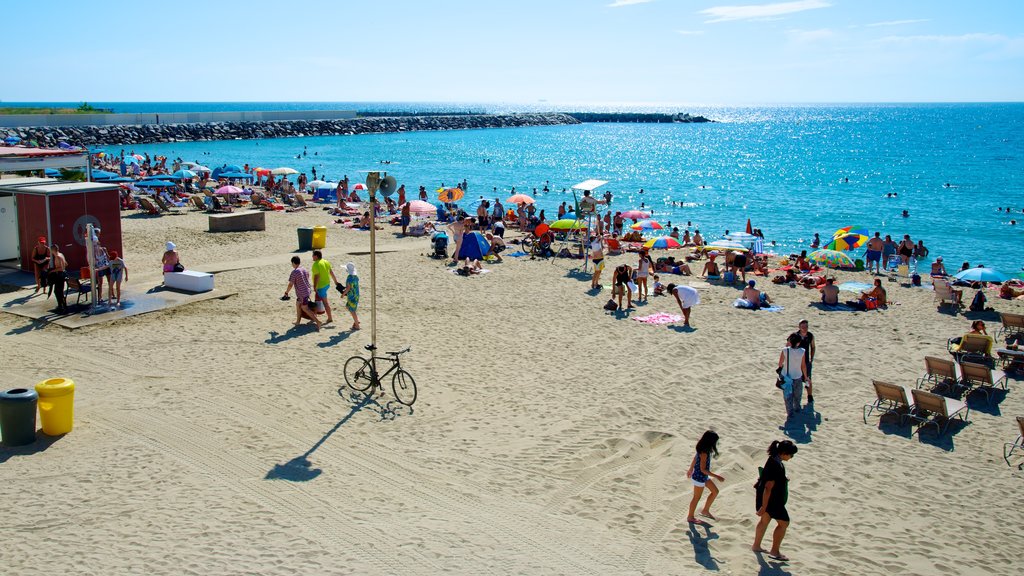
(154, 184)
(234, 174)
(52, 173)
(183, 174)
(130, 160)
(474, 246)
(102, 175)
(981, 275)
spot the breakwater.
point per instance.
(152, 133)
(639, 117)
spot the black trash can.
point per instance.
(18, 416)
(305, 238)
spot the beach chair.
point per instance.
(930, 408)
(975, 348)
(944, 294)
(890, 399)
(939, 372)
(81, 288)
(217, 206)
(300, 202)
(1018, 444)
(614, 247)
(981, 377)
(148, 206)
(198, 203)
(1012, 324)
(165, 207)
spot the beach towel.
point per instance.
(659, 318)
(517, 254)
(479, 272)
(741, 303)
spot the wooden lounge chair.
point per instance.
(164, 206)
(981, 377)
(300, 201)
(1012, 324)
(931, 408)
(148, 206)
(939, 372)
(1009, 447)
(890, 399)
(197, 202)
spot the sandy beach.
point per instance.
(549, 436)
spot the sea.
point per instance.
(956, 170)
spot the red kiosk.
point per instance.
(60, 211)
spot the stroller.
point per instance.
(440, 242)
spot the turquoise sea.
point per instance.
(783, 167)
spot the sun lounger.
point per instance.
(1011, 359)
(1012, 324)
(939, 372)
(1009, 447)
(165, 207)
(931, 408)
(944, 294)
(890, 399)
(981, 377)
(148, 206)
(197, 203)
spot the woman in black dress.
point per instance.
(772, 490)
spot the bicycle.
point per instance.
(361, 375)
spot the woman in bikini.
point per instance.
(40, 260)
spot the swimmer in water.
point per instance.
(906, 214)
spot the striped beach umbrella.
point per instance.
(850, 230)
(726, 245)
(647, 225)
(830, 259)
(663, 243)
(847, 242)
(449, 195)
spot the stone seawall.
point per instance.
(153, 133)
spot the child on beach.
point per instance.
(351, 294)
(700, 474)
(118, 272)
(659, 288)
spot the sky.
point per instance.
(516, 51)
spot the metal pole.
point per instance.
(372, 183)
(90, 255)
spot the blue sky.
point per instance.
(628, 51)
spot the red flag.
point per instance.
(749, 229)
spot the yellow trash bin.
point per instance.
(319, 237)
(56, 405)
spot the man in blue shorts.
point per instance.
(874, 253)
(322, 274)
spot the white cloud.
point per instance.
(759, 11)
(897, 22)
(690, 32)
(807, 36)
(620, 3)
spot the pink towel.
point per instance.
(659, 318)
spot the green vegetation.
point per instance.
(85, 108)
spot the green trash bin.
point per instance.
(18, 416)
(305, 238)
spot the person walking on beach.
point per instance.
(299, 279)
(771, 495)
(873, 252)
(40, 260)
(597, 257)
(57, 276)
(807, 344)
(322, 274)
(701, 475)
(406, 218)
(351, 293)
(687, 297)
(792, 361)
(118, 273)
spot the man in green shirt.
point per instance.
(322, 275)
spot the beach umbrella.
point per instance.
(190, 164)
(154, 184)
(282, 171)
(198, 169)
(741, 237)
(231, 168)
(635, 214)
(981, 275)
(850, 230)
(568, 224)
(138, 157)
(225, 190)
(663, 243)
(184, 174)
(847, 242)
(102, 175)
(422, 208)
(12, 140)
(359, 186)
(131, 160)
(315, 184)
(52, 173)
(647, 225)
(519, 199)
(450, 194)
(474, 246)
(234, 175)
(726, 245)
(830, 259)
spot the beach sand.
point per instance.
(549, 437)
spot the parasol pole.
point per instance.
(372, 183)
(90, 256)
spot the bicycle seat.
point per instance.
(400, 351)
(370, 347)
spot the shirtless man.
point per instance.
(458, 229)
(597, 257)
(874, 253)
(830, 293)
(754, 297)
(698, 240)
(56, 277)
(497, 245)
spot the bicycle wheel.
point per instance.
(403, 387)
(358, 375)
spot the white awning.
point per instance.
(590, 184)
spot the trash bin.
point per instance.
(305, 238)
(319, 237)
(56, 405)
(18, 416)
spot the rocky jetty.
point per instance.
(151, 133)
(638, 117)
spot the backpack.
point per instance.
(611, 305)
(978, 304)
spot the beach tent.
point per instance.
(474, 246)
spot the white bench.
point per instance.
(189, 281)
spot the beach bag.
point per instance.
(871, 304)
(178, 267)
(978, 303)
(915, 279)
(611, 305)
